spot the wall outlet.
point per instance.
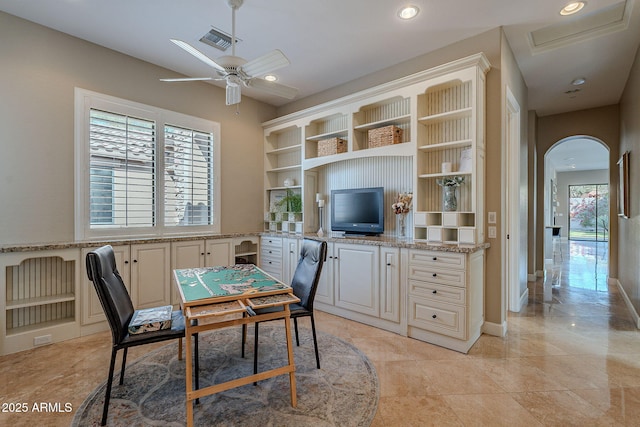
(492, 232)
(42, 340)
(492, 218)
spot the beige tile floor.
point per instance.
(571, 360)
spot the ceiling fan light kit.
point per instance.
(237, 71)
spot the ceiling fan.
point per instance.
(237, 71)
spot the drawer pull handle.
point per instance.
(201, 253)
(435, 258)
(434, 316)
(434, 291)
(389, 264)
(435, 274)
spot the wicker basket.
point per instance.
(330, 146)
(385, 136)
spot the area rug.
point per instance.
(344, 392)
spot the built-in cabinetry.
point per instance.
(283, 180)
(450, 144)
(428, 294)
(47, 296)
(279, 256)
(271, 258)
(441, 115)
(41, 298)
(362, 283)
(445, 297)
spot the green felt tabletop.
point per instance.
(224, 282)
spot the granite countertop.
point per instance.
(27, 247)
(388, 241)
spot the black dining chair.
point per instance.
(117, 306)
(305, 280)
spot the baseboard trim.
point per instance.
(495, 329)
(627, 301)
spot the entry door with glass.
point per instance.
(589, 212)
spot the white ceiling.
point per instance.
(331, 42)
(578, 153)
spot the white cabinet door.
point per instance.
(219, 252)
(324, 293)
(150, 275)
(357, 278)
(290, 255)
(92, 311)
(188, 254)
(390, 284)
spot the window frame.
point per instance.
(86, 100)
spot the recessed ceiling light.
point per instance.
(572, 8)
(270, 78)
(579, 81)
(408, 12)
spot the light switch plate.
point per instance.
(492, 232)
(492, 218)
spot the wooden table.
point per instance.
(217, 297)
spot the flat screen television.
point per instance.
(358, 210)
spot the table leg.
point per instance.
(189, 373)
(292, 374)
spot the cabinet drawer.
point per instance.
(443, 276)
(439, 317)
(271, 252)
(271, 242)
(437, 258)
(436, 292)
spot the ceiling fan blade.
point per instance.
(265, 64)
(273, 88)
(201, 56)
(188, 79)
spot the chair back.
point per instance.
(305, 280)
(113, 295)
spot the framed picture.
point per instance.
(623, 187)
(275, 198)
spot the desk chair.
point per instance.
(304, 283)
(117, 306)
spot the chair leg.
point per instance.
(315, 340)
(295, 326)
(107, 396)
(124, 363)
(255, 353)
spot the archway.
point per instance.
(576, 208)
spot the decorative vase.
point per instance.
(402, 230)
(449, 201)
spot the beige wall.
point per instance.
(600, 123)
(532, 167)
(629, 229)
(40, 68)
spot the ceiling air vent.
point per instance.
(218, 39)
